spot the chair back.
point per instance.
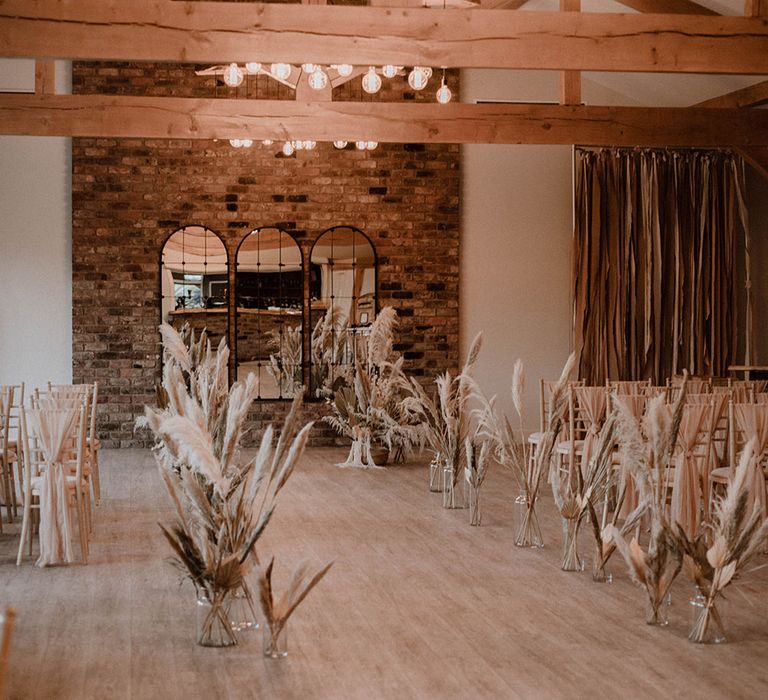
(90, 391)
(634, 386)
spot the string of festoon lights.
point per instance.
(290, 147)
(318, 78)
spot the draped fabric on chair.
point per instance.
(655, 262)
(53, 428)
(634, 404)
(686, 488)
(592, 404)
(752, 421)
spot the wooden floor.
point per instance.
(418, 605)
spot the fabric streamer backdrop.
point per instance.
(655, 269)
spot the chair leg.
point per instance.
(95, 476)
(25, 530)
(82, 526)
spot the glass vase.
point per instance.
(706, 623)
(571, 559)
(526, 522)
(435, 475)
(453, 493)
(599, 573)
(475, 515)
(212, 618)
(657, 612)
(242, 611)
(276, 642)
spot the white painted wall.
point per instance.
(515, 247)
(35, 250)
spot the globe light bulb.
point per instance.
(267, 142)
(419, 77)
(344, 70)
(233, 75)
(340, 144)
(371, 81)
(318, 79)
(389, 71)
(310, 145)
(360, 145)
(246, 143)
(443, 93)
(235, 143)
(281, 71)
(288, 148)
(371, 145)
(252, 68)
(309, 67)
(298, 145)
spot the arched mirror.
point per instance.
(342, 287)
(269, 280)
(195, 281)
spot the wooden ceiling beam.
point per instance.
(750, 96)
(207, 32)
(672, 7)
(185, 118)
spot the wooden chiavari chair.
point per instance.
(93, 445)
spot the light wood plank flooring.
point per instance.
(417, 605)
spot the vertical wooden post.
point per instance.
(45, 78)
(570, 80)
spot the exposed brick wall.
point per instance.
(129, 195)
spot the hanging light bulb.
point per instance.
(371, 81)
(309, 145)
(317, 79)
(246, 143)
(340, 144)
(360, 145)
(371, 145)
(281, 71)
(288, 148)
(309, 67)
(233, 75)
(443, 93)
(252, 68)
(343, 69)
(235, 143)
(298, 145)
(267, 142)
(389, 71)
(419, 77)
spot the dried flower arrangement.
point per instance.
(223, 502)
(371, 411)
(328, 346)
(478, 454)
(285, 359)
(277, 611)
(647, 448)
(580, 494)
(514, 453)
(737, 534)
(446, 422)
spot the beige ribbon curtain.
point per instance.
(53, 428)
(654, 265)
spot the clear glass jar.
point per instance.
(276, 644)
